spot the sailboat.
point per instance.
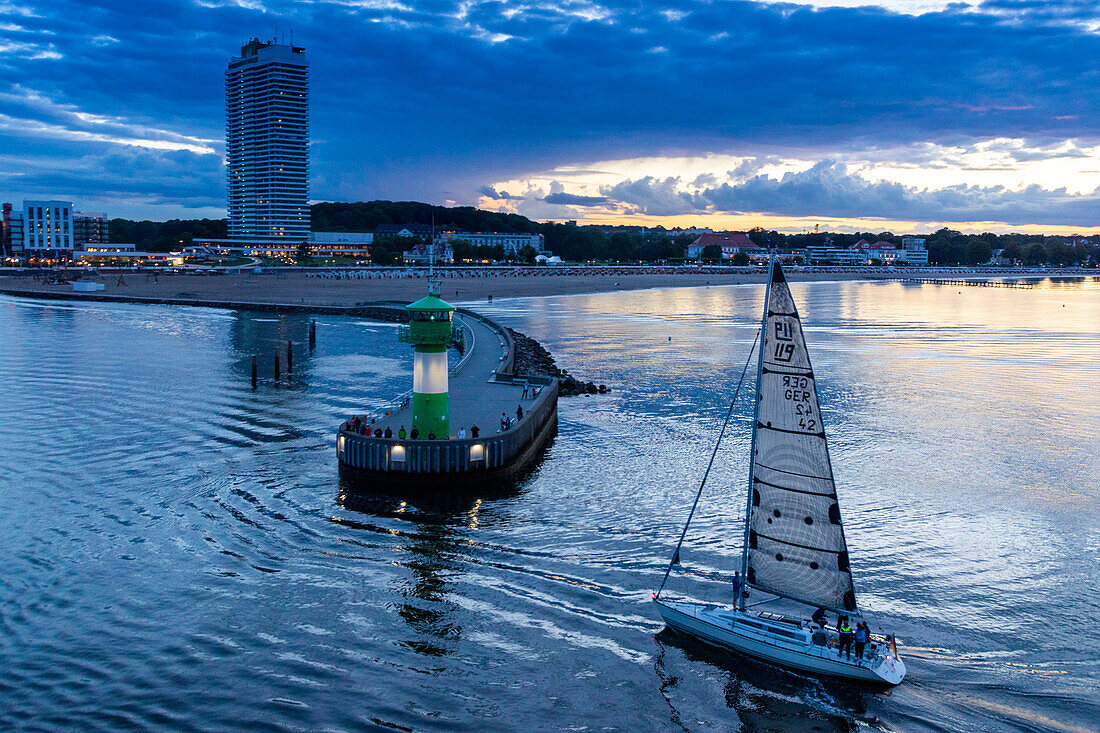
(794, 546)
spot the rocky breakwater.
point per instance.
(532, 359)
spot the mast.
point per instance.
(739, 603)
(433, 288)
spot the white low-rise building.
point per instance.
(511, 242)
(424, 253)
(319, 244)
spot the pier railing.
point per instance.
(469, 455)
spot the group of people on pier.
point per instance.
(362, 427)
(506, 422)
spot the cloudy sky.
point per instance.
(903, 115)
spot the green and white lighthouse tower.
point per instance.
(430, 331)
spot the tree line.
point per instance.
(599, 243)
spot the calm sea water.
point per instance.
(177, 550)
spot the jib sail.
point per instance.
(794, 539)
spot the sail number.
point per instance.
(784, 335)
(797, 390)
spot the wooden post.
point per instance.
(254, 372)
(289, 357)
(312, 335)
(276, 365)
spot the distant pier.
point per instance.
(967, 283)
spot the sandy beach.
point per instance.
(309, 289)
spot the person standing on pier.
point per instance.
(474, 430)
(519, 412)
(401, 433)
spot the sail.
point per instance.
(795, 540)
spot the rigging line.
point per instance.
(703, 483)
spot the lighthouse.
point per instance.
(430, 331)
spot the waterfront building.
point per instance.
(422, 254)
(863, 253)
(731, 243)
(510, 242)
(47, 230)
(90, 228)
(318, 244)
(913, 251)
(15, 233)
(837, 256)
(267, 143)
(5, 231)
(125, 255)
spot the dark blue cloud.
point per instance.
(829, 190)
(496, 195)
(433, 100)
(572, 199)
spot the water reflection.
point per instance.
(435, 548)
(150, 492)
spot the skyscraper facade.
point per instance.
(267, 142)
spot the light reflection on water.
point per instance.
(180, 553)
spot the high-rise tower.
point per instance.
(267, 142)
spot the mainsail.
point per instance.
(795, 541)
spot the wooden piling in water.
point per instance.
(289, 357)
(276, 365)
(255, 372)
(312, 335)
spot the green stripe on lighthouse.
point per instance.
(430, 415)
(430, 331)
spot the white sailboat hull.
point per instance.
(776, 642)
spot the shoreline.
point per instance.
(311, 292)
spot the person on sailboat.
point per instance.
(820, 638)
(846, 638)
(861, 637)
(818, 617)
(736, 589)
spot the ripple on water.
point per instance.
(183, 555)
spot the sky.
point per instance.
(904, 115)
